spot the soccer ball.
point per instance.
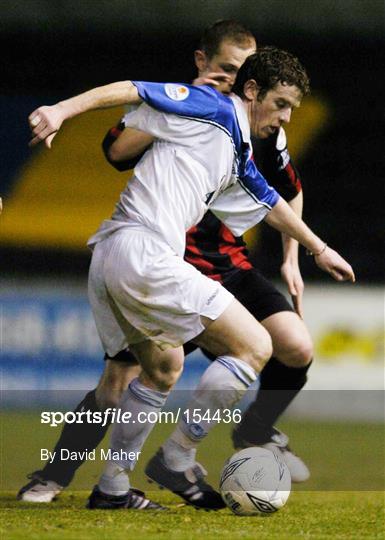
(255, 481)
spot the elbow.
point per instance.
(113, 154)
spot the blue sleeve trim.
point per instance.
(180, 99)
(256, 186)
(195, 102)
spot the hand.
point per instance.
(45, 122)
(330, 261)
(291, 275)
(213, 79)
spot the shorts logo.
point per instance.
(212, 297)
(177, 92)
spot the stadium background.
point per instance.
(54, 200)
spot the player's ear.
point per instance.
(250, 89)
(200, 60)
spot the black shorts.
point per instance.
(256, 293)
(123, 356)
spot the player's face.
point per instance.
(228, 60)
(268, 115)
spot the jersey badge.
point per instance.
(176, 92)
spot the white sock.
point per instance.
(221, 386)
(177, 457)
(128, 438)
(114, 480)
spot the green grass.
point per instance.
(344, 498)
(312, 515)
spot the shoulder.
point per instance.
(182, 99)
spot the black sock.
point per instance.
(75, 438)
(279, 384)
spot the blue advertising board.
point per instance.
(50, 344)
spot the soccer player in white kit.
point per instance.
(142, 292)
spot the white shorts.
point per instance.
(140, 289)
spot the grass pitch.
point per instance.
(307, 515)
(344, 499)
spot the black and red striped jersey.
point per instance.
(213, 249)
(210, 246)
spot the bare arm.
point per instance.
(46, 121)
(290, 271)
(284, 220)
(129, 145)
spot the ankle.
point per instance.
(114, 480)
(177, 457)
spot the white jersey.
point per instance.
(201, 160)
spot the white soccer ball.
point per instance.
(255, 481)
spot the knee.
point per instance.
(298, 353)
(259, 352)
(164, 375)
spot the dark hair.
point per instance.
(269, 66)
(222, 30)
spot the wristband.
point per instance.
(312, 254)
